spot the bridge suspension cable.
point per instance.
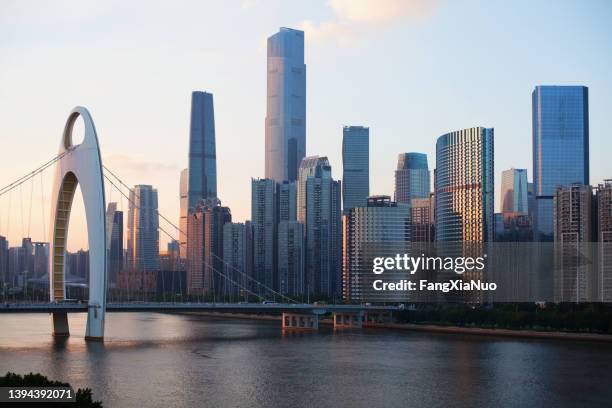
(34, 172)
(173, 238)
(251, 279)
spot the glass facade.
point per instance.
(355, 167)
(143, 229)
(381, 229)
(184, 210)
(321, 211)
(264, 217)
(286, 105)
(464, 186)
(560, 147)
(411, 177)
(202, 153)
(514, 191)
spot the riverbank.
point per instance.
(432, 328)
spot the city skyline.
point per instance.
(141, 162)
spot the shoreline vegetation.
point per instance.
(84, 396)
(577, 322)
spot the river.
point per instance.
(166, 360)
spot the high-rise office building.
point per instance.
(381, 229)
(286, 105)
(287, 201)
(291, 258)
(238, 256)
(322, 215)
(307, 169)
(422, 214)
(184, 210)
(560, 147)
(575, 277)
(464, 186)
(604, 240)
(355, 167)
(411, 177)
(514, 192)
(114, 235)
(205, 272)
(143, 229)
(202, 151)
(264, 217)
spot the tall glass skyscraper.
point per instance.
(411, 177)
(560, 147)
(355, 167)
(143, 229)
(514, 192)
(464, 186)
(202, 153)
(286, 105)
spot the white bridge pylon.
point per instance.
(82, 166)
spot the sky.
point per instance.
(410, 70)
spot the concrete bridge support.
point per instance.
(80, 165)
(60, 324)
(371, 318)
(348, 320)
(299, 321)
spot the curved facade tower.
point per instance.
(464, 186)
(286, 105)
(202, 151)
(411, 177)
(81, 165)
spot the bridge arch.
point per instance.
(81, 165)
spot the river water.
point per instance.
(165, 360)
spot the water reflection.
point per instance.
(159, 360)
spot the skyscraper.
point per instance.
(287, 201)
(143, 233)
(114, 220)
(514, 192)
(264, 216)
(205, 272)
(378, 230)
(355, 167)
(422, 219)
(237, 256)
(575, 278)
(202, 152)
(307, 169)
(604, 238)
(320, 204)
(464, 186)
(291, 258)
(286, 105)
(560, 147)
(411, 177)
(184, 210)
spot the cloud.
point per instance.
(380, 11)
(123, 165)
(354, 18)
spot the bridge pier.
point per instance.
(95, 323)
(299, 321)
(60, 324)
(348, 320)
(371, 318)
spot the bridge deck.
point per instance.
(188, 307)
